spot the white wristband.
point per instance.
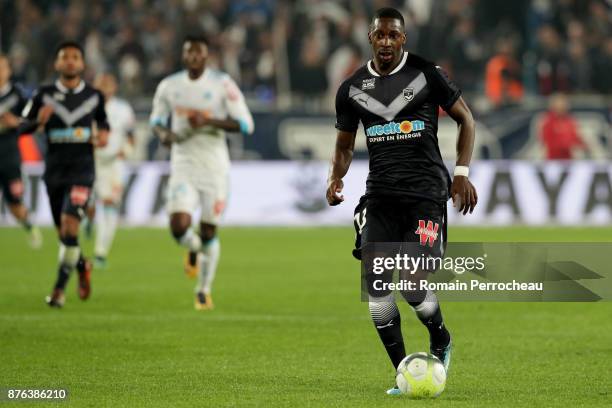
(462, 171)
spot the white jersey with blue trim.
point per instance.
(214, 94)
(122, 121)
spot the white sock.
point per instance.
(107, 226)
(210, 259)
(191, 240)
(69, 255)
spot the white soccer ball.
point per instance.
(421, 375)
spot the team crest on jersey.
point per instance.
(58, 96)
(427, 232)
(368, 84)
(409, 93)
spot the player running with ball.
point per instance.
(396, 96)
(192, 110)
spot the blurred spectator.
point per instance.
(559, 133)
(466, 53)
(602, 78)
(317, 43)
(503, 75)
(552, 69)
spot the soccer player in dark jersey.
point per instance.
(68, 110)
(396, 96)
(11, 105)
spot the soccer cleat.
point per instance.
(203, 301)
(444, 354)
(192, 264)
(100, 262)
(35, 238)
(84, 287)
(56, 299)
(394, 391)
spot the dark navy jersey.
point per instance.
(399, 113)
(69, 131)
(11, 100)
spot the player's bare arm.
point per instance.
(44, 114)
(341, 160)
(10, 120)
(463, 193)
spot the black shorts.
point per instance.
(68, 199)
(12, 184)
(410, 220)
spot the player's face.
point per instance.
(387, 38)
(194, 55)
(69, 62)
(5, 71)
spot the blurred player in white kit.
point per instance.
(192, 110)
(110, 165)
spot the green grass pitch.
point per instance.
(288, 330)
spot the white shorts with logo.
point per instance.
(186, 196)
(110, 180)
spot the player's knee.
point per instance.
(414, 297)
(69, 251)
(69, 225)
(178, 231)
(208, 232)
(179, 226)
(383, 310)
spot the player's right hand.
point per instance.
(166, 136)
(44, 114)
(334, 188)
(9, 120)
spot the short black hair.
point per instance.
(69, 44)
(198, 38)
(388, 12)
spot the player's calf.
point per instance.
(427, 308)
(180, 226)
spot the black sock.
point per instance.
(387, 321)
(438, 334)
(80, 266)
(26, 224)
(63, 273)
(193, 258)
(429, 313)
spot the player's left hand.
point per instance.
(463, 194)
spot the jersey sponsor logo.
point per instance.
(368, 84)
(427, 232)
(70, 135)
(408, 93)
(79, 195)
(393, 128)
